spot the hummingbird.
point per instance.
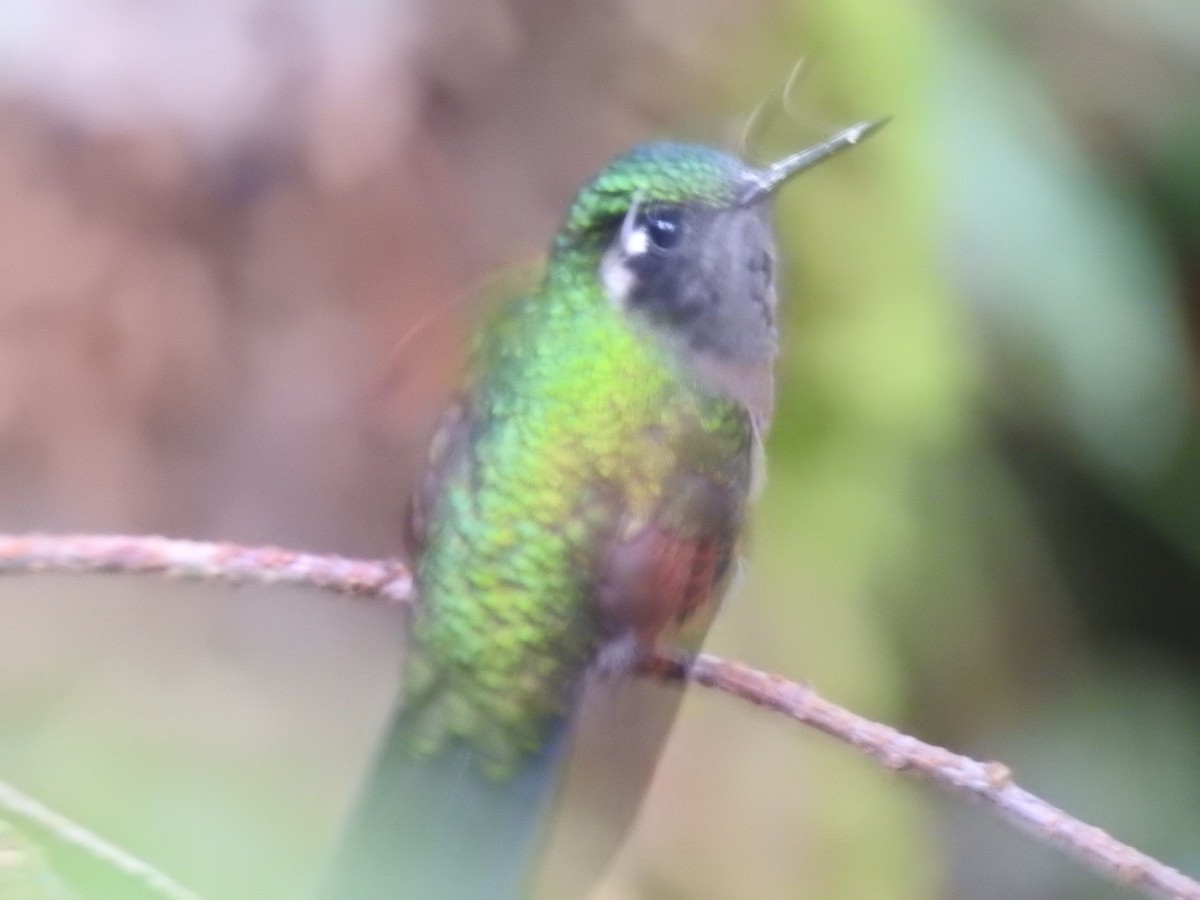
(582, 507)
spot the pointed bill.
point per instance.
(765, 182)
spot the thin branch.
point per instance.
(29, 810)
(387, 580)
(390, 581)
(990, 782)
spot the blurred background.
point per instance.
(219, 221)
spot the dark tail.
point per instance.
(438, 829)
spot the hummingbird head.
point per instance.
(682, 239)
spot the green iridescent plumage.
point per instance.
(528, 505)
(578, 422)
(582, 505)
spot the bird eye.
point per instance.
(663, 226)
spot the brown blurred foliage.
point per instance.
(237, 251)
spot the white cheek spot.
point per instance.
(616, 277)
(636, 242)
(631, 241)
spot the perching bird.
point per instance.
(582, 506)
